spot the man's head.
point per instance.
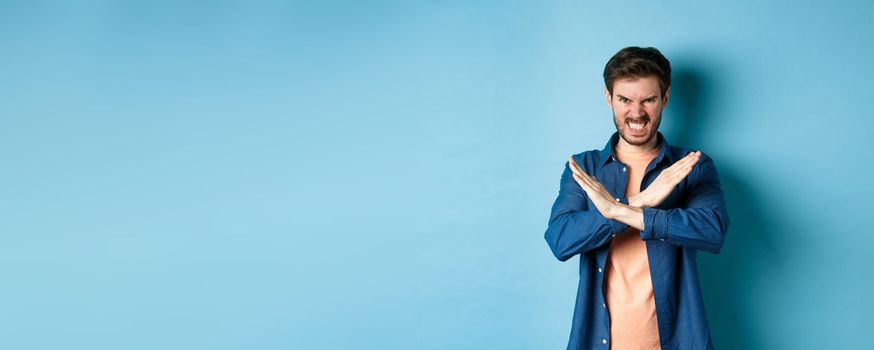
(637, 85)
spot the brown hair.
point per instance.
(634, 62)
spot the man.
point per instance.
(637, 212)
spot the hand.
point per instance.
(600, 196)
(664, 184)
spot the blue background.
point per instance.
(379, 174)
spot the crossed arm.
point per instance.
(631, 214)
(585, 215)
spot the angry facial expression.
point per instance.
(637, 105)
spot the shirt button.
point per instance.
(604, 341)
(599, 269)
(614, 235)
(623, 169)
(605, 305)
(662, 239)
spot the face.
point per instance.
(637, 107)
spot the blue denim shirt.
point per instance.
(692, 218)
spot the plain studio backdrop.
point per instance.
(379, 174)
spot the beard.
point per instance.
(624, 132)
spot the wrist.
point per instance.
(617, 210)
(629, 215)
(636, 201)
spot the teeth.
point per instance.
(636, 126)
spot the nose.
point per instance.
(637, 110)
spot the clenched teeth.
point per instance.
(636, 126)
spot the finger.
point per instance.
(603, 190)
(690, 158)
(678, 164)
(697, 157)
(689, 161)
(683, 171)
(584, 181)
(583, 184)
(589, 182)
(573, 165)
(593, 184)
(576, 168)
(677, 171)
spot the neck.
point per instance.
(649, 146)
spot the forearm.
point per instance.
(572, 233)
(630, 215)
(702, 228)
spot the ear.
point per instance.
(608, 98)
(667, 95)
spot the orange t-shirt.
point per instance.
(628, 292)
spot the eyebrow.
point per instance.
(651, 96)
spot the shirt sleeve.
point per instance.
(701, 223)
(575, 225)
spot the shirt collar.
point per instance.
(608, 153)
